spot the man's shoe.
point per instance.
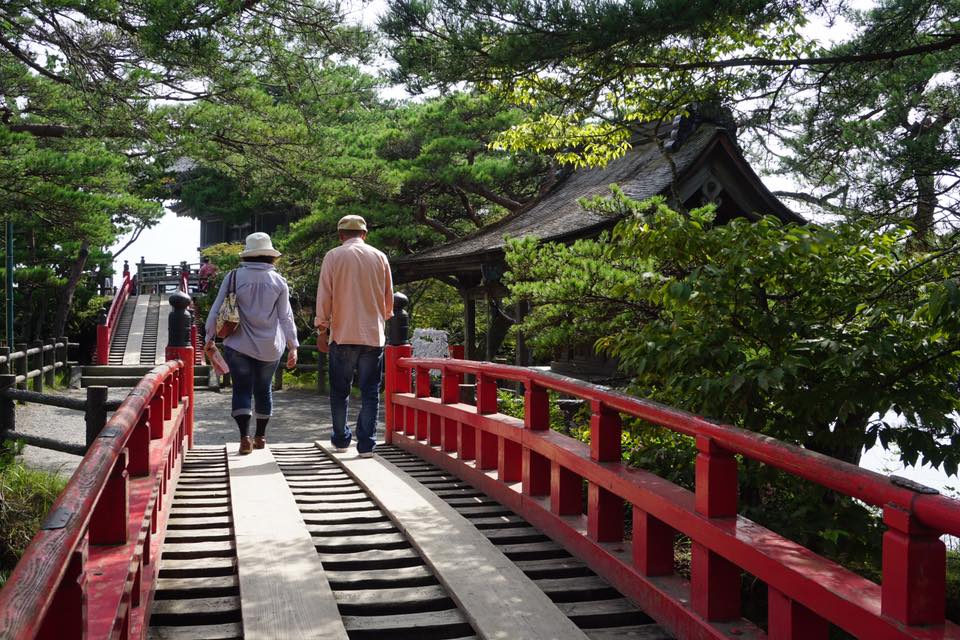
(366, 454)
(259, 442)
(246, 445)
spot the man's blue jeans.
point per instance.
(252, 384)
(367, 361)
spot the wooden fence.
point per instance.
(38, 365)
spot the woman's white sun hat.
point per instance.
(259, 244)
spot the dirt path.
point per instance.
(299, 415)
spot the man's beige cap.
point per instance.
(352, 223)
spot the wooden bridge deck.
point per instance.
(297, 541)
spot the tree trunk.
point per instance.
(845, 442)
(66, 300)
(923, 217)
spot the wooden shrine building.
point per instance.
(708, 165)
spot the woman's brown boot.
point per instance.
(259, 442)
(246, 445)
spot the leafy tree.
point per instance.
(866, 125)
(812, 334)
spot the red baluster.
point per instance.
(566, 491)
(168, 397)
(66, 618)
(536, 407)
(536, 474)
(139, 446)
(604, 515)
(156, 414)
(450, 394)
(652, 544)
(790, 620)
(108, 523)
(510, 461)
(467, 443)
(714, 581)
(605, 430)
(397, 381)
(914, 570)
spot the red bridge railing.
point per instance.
(90, 571)
(540, 474)
(106, 328)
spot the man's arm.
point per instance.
(324, 294)
(388, 291)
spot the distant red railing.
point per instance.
(90, 571)
(106, 329)
(540, 474)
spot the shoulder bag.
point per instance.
(228, 317)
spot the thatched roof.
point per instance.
(707, 152)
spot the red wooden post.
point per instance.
(139, 446)
(409, 421)
(536, 474)
(536, 407)
(168, 397)
(108, 522)
(433, 430)
(423, 382)
(103, 344)
(423, 421)
(791, 620)
(186, 355)
(605, 431)
(175, 388)
(397, 381)
(714, 581)
(67, 615)
(486, 394)
(604, 515)
(450, 394)
(914, 570)
(510, 461)
(566, 491)
(156, 414)
(486, 443)
(652, 544)
(467, 443)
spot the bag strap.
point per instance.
(233, 282)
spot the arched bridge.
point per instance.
(468, 524)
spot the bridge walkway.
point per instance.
(330, 545)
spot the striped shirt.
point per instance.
(266, 319)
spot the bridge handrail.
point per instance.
(539, 473)
(932, 509)
(105, 330)
(50, 574)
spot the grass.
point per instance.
(25, 497)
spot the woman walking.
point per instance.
(266, 326)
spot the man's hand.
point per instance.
(291, 358)
(323, 340)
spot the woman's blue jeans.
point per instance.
(252, 384)
(367, 362)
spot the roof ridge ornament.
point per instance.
(694, 115)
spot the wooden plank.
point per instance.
(474, 572)
(131, 355)
(353, 601)
(197, 606)
(326, 529)
(285, 591)
(364, 579)
(635, 632)
(448, 618)
(230, 631)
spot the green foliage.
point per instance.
(25, 497)
(810, 334)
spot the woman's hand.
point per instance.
(291, 358)
(209, 346)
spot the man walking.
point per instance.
(354, 300)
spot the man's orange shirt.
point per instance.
(355, 294)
